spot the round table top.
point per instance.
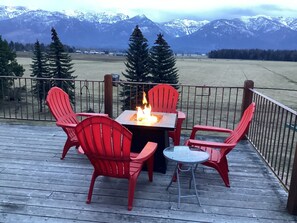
(185, 154)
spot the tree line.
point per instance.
(16, 46)
(47, 62)
(52, 66)
(254, 54)
(8, 67)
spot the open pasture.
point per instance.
(199, 71)
(194, 71)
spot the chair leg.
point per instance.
(67, 146)
(94, 176)
(222, 168)
(132, 185)
(224, 162)
(176, 140)
(150, 167)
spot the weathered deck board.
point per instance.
(36, 186)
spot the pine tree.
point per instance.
(39, 68)
(162, 62)
(8, 67)
(137, 69)
(60, 66)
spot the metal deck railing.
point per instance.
(272, 132)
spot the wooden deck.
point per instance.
(36, 186)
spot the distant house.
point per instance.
(93, 52)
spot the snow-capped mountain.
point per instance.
(112, 31)
(7, 12)
(182, 27)
(96, 17)
(258, 32)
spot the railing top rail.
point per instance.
(274, 101)
(126, 82)
(44, 78)
(181, 84)
(273, 88)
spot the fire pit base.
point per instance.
(142, 135)
(157, 132)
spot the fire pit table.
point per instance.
(145, 131)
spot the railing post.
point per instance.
(247, 96)
(247, 99)
(292, 197)
(108, 95)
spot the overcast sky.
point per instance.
(165, 10)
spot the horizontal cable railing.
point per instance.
(273, 133)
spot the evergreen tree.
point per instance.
(137, 69)
(60, 66)
(39, 68)
(162, 62)
(8, 67)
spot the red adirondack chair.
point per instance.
(58, 102)
(164, 98)
(217, 150)
(107, 145)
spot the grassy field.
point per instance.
(198, 71)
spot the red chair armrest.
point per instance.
(90, 114)
(65, 125)
(201, 143)
(146, 152)
(181, 115)
(197, 128)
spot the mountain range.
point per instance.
(112, 31)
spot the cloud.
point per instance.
(276, 10)
(237, 12)
(164, 10)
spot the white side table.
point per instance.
(188, 157)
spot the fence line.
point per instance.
(273, 134)
(19, 102)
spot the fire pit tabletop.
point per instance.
(165, 120)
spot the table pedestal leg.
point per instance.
(194, 181)
(172, 178)
(177, 171)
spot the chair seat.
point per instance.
(214, 154)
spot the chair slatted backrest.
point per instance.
(107, 145)
(60, 107)
(241, 128)
(59, 104)
(163, 98)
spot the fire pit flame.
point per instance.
(144, 115)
